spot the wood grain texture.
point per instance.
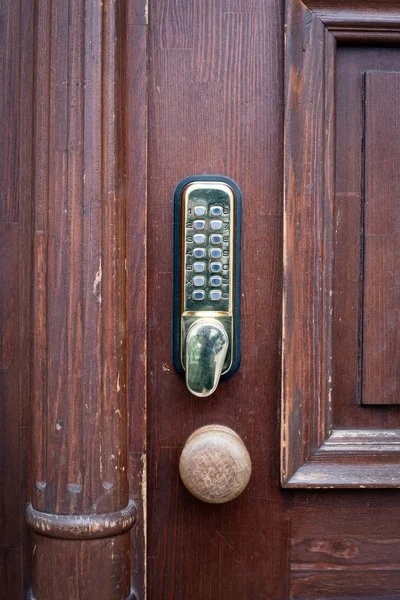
(82, 527)
(79, 304)
(79, 373)
(308, 198)
(345, 545)
(352, 62)
(381, 245)
(224, 116)
(136, 197)
(15, 273)
(215, 104)
(215, 465)
(313, 289)
(10, 455)
(9, 109)
(348, 14)
(25, 181)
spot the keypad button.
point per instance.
(215, 267)
(200, 211)
(215, 238)
(199, 252)
(199, 224)
(199, 267)
(215, 225)
(215, 295)
(215, 280)
(199, 280)
(198, 295)
(200, 238)
(216, 211)
(215, 252)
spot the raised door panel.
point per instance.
(341, 300)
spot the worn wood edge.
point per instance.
(81, 527)
(321, 413)
(132, 596)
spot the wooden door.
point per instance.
(105, 108)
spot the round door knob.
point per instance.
(215, 465)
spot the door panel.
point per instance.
(320, 126)
(352, 62)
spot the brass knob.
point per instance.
(215, 465)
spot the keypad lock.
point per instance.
(207, 281)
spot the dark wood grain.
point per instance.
(136, 197)
(25, 151)
(73, 116)
(348, 549)
(15, 113)
(79, 377)
(381, 248)
(10, 455)
(216, 107)
(352, 62)
(350, 15)
(79, 374)
(308, 198)
(9, 109)
(317, 302)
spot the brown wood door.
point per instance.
(105, 108)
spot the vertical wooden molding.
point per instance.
(79, 405)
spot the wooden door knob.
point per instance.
(215, 465)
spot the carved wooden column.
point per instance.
(80, 510)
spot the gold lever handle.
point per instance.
(206, 347)
(215, 465)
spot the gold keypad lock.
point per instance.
(207, 281)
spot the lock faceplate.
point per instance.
(207, 266)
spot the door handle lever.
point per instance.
(207, 343)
